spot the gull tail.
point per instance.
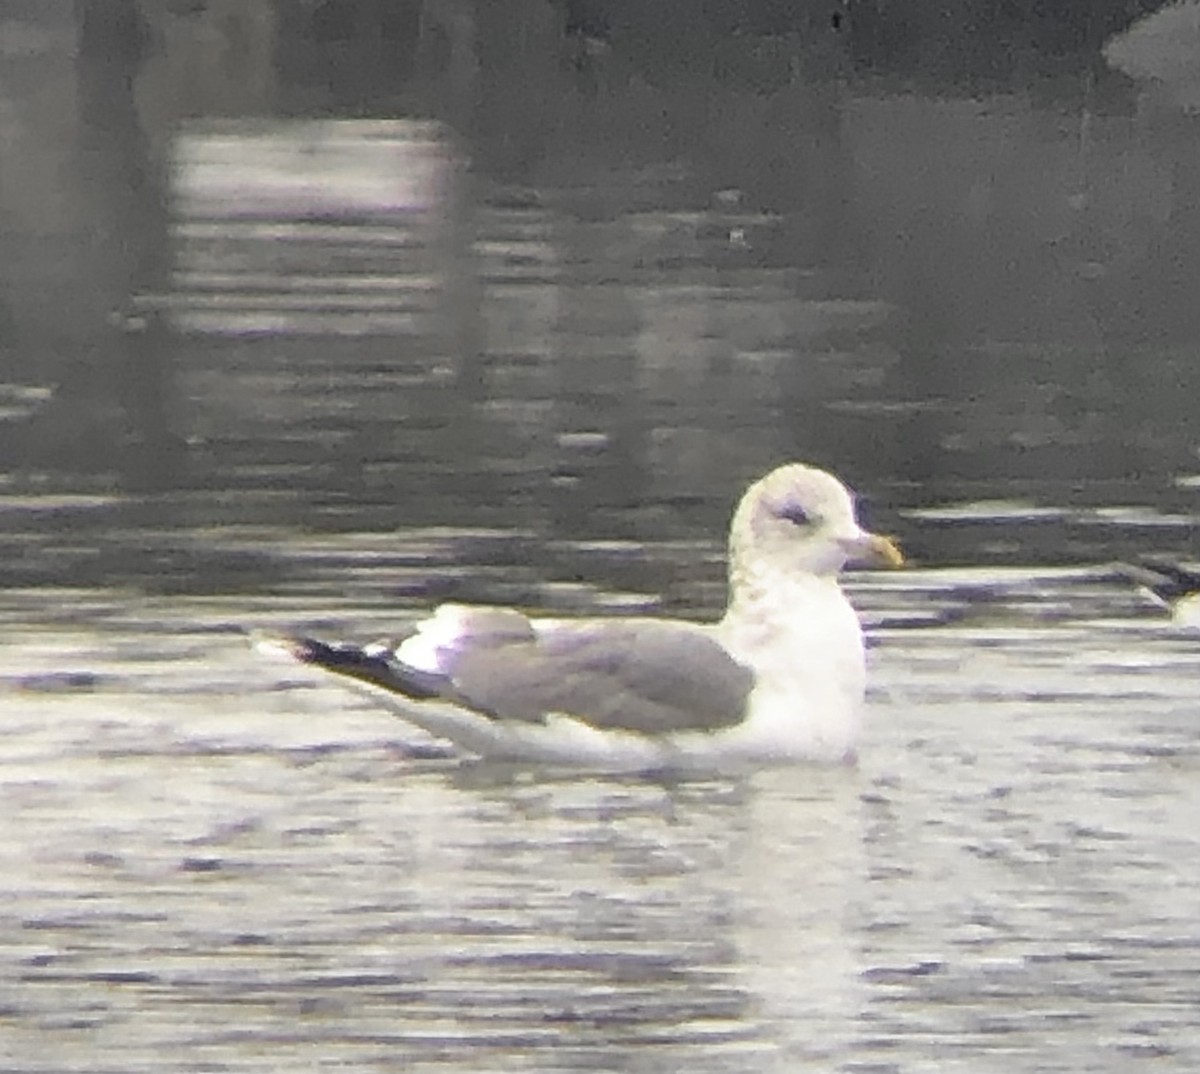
(375, 669)
(375, 665)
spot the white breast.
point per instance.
(805, 644)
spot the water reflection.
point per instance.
(612, 341)
(399, 344)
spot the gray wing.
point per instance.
(643, 675)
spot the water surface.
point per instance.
(214, 855)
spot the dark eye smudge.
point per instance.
(795, 513)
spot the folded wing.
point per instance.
(641, 675)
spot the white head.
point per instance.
(802, 519)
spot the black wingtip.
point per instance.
(374, 665)
(333, 656)
(305, 650)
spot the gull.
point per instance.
(779, 679)
(1173, 586)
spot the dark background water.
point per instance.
(594, 364)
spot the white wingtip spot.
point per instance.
(273, 645)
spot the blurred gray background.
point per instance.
(387, 251)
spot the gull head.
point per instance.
(800, 519)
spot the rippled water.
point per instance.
(225, 861)
(214, 861)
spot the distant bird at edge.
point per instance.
(1172, 585)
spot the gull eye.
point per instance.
(796, 514)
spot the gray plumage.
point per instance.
(643, 675)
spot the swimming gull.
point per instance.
(780, 678)
(1174, 586)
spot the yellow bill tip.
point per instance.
(884, 551)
